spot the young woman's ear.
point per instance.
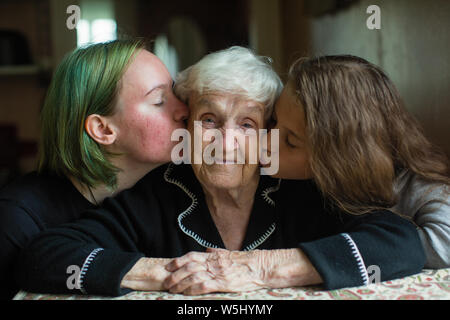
(100, 129)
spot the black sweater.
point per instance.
(28, 206)
(165, 215)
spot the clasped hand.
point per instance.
(216, 270)
(220, 270)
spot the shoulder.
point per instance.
(45, 198)
(164, 182)
(18, 218)
(21, 193)
(414, 194)
(30, 185)
(410, 182)
(153, 178)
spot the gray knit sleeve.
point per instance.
(433, 220)
(428, 206)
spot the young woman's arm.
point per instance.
(94, 254)
(90, 256)
(17, 227)
(378, 246)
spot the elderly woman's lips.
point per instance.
(225, 162)
(222, 161)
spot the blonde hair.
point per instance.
(360, 135)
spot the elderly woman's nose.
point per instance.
(230, 142)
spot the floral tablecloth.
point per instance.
(428, 285)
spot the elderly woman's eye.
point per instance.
(247, 124)
(208, 121)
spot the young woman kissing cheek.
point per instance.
(289, 119)
(148, 112)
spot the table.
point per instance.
(428, 285)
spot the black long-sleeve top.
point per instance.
(165, 215)
(28, 206)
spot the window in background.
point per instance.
(182, 45)
(167, 53)
(97, 23)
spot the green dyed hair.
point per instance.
(86, 82)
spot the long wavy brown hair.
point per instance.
(360, 135)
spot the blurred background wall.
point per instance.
(412, 46)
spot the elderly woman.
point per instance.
(222, 207)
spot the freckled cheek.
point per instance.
(155, 136)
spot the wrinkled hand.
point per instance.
(217, 270)
(220, 270)
(147, 274)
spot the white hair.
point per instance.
(236, 71)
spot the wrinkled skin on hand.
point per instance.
(220, 270)
(217, 270)
(147, 274)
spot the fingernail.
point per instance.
(169, 267)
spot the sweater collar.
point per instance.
(196, 221)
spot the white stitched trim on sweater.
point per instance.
(189, 210)
(266, 192)
(263, 238)
(265, 195)
(85, 267)
(358, 257)
(194, 203)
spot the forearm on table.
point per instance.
(288, 268)
(147, 274)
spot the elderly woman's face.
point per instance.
(230, 115)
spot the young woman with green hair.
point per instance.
(106, 122)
